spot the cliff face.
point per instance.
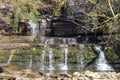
(14, 14)
(5, 18)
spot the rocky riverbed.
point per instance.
(30, 75)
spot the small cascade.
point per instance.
(47, 42)
(34, 29)
(30, 62)
(19, 61)
(50, 52)
(81, 55)
(42, 66)
(101, 61)
(10, 58)
(43, 27)
(72, 41)
(82, 63)
(64, 47)
(65, 67)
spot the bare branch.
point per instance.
(81, 26)
(111, 8)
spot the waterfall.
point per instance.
(46, 42)
(30, 64)
(82, 62)
(65, 67)
(64, 47)
(10, 58)
(20, 60)
(101, 63)
(43, 26)
(72, 41)
(49, 41)
(42, 60)
(50, 67)
(50, 53)
(34, 29)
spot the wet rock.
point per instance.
(11, 68)
(91, 74)
(65, 75)
(54, 76)
(37, 75)
(7, 78)
(118, 75)
(77, 74)
(42, 78)
(95, 75)
(88, 72)
(40, 73)
(87, 75)
(48, 74)
(27, 71)
(1, 70)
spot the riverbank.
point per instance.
(30, 75)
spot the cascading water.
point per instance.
(65, 53)
(42, 67)
(72, 41)
(43, 27)
(47, 42)
(19, 61)
(82, 62)
(10, 58)
(30, 61)
(101, 63)
(50, 52)
(65, 67)
(34, 29)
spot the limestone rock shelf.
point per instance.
(87, 75)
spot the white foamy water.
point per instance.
(64, 47)
(34, 28)
(65, 67)
(72, 41)
(9, 60)
(43, 26)
(42, 60)
(30, 63)
(50, 67)
(101, 63)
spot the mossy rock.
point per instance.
(11, 67)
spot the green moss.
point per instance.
(89, 53)
(16, 20)
(59, 5)
(109, 53)
(4, 55)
